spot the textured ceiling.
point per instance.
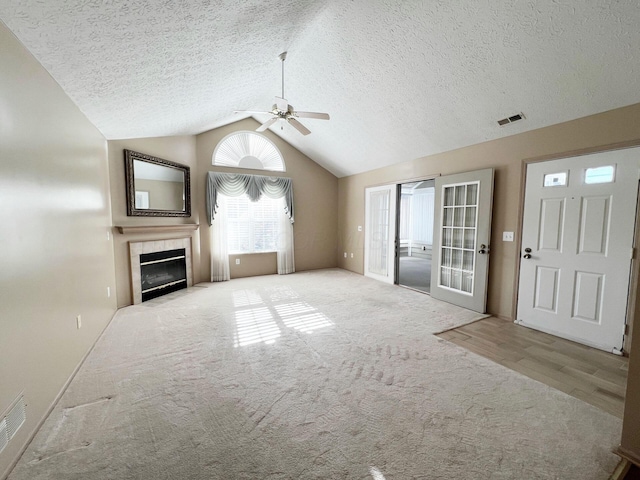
(401, 79)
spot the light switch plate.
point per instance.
(507, 236)
(359, 228)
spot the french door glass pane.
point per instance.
(458, 234)
(447, 218)
(467, 262)
(457, 237)
(469, 238)
(445, 277)
(449, 193)
(447, 237)
(470, 217)
(472, 194)
(446, 257)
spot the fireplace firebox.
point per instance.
(162, 272)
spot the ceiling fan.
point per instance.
(283, 111)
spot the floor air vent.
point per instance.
(4, 438)
(511, 119)
(12, 421)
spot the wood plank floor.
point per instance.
(594, 376)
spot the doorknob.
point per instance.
(527, 250)
(483, 249)
(527, 256)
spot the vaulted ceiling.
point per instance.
(401, 79)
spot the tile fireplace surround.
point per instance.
(138, 248)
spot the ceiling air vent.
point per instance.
(511, 119)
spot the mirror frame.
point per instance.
(132, 211)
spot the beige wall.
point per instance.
(253, 264)
(315, 193)
(181, 150)
(55, 216)
(505, 156)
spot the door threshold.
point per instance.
(611, 350)
(414, 289)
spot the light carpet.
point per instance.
(315, 375)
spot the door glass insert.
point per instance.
(599, 174)
(555, 179)
(459, 234)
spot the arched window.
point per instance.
(248, 150)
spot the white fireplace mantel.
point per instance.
(189, 227)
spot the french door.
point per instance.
(379, 234)
(577, 239)
(462, 221)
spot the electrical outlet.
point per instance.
(507, 236)
(79, 321)
(352, 255)
(345, 254)
(237, 261)
(108, 292)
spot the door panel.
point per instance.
(594, 225)
(461, 241)
(546, 295)
(577, 237)
(587, 296)
(379, 235)
(551, 224)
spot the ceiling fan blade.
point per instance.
(298, 126)
(282, 104)
(266, 124)
(319, 116)
(252, 112)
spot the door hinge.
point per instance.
(626, 329)
(633, 253)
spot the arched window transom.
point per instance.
(248, 150)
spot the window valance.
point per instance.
(236, 184)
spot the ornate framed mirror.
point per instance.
(156, 187)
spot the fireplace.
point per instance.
(159, 267)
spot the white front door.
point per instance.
(462, 219)
(380, 232)
(577, 238)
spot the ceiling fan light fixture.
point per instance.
(282, 110)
